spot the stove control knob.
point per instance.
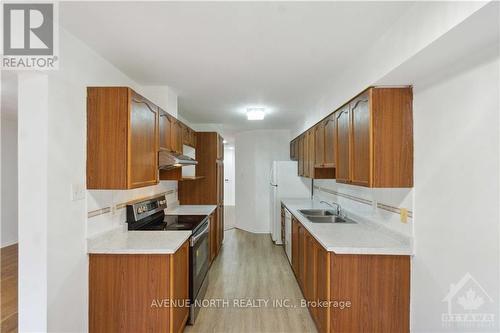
(139, 210)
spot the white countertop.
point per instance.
(347, 238)
(119, 241)
(190, 210)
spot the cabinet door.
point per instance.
(310, 274)
(179, 287)
(330, 143)
(360, 140)
(311, 152)
(185, 135)
(342, 154)
(306, 155)
(143, 150)
(165, 131)
(301, 155)
(295, 246)
(302, 257)
(213, 235)
(322, 288)
(282, 220)
(319, 145)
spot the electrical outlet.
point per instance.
(77, 192)
(403, 214)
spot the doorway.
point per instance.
(229, 190)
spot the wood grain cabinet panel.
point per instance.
(319, 145)
(143, 148)
(360, 141)
(122, 139)
(300, 144)
(302, 257)
(343, 139)
(179, 288)
(329, 141)
(209, 189)
(367, 142)
(123, 287)
(322, 314)
(295, 246)
(165, 128)
(377, 287)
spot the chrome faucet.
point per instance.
(338, 207)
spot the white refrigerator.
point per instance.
(285, 183)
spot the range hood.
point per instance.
(169, 160)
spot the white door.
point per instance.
(229, 176)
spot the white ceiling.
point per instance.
(222, 57)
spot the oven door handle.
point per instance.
(195, 238)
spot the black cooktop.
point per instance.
(175, 222)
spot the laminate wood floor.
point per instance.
(250, 267)
(8, 288)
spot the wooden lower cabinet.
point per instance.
(127, 291)
(351, 293)
(295, 246)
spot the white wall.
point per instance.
(456, 188)
(58, 245)
(33, 193)
(229, 186)
(9, 180)
(366, 208)
(254, 153)
(421, 25)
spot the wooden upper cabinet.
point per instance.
(319, 145)
(379, 139)
(311, 153)
(122, 139)
(329, 141)
(294, 151)
(300, 144)
(176, 136)
(360, 140)
(342, 151)
(165, 121)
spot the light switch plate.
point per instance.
(77, 192)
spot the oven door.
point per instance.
(199, 259)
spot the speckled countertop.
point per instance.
(190, 210)
(347, 238)
(119, 241)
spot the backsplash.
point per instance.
(377, 205)
(106, 208)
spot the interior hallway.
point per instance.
(251, 267)
(8, 289)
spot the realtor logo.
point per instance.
(466, 301)
(29, 35)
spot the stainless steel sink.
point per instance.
(316, 212)
(329, 219)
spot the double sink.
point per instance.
(323, 216)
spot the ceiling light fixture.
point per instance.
(224, 141)
(256, 113)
